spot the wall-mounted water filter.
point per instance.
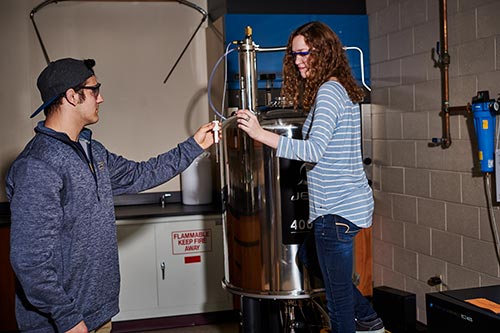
(485, 111)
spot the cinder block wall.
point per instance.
(431, 215)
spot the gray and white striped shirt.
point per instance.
(332, 147)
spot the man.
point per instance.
(63, 236)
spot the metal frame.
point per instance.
(182, 2)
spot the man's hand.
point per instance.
(79, 328)
(205, 136)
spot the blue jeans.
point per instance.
(330, 246)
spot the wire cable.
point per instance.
(210, 80)
(223, 102)
(491, 214)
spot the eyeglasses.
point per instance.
(300, 53)
(95, 89)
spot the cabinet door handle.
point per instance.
(162, 266)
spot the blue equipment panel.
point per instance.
(273, 30)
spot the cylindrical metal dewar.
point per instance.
(266, 212)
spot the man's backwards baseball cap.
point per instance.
(61, 75)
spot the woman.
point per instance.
(317, 77)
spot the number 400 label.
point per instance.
(299, 225)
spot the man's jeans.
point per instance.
(332, 240)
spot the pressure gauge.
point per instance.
(494, 106)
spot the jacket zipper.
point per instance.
(81, 153)
(89, 162)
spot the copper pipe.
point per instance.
(444, 62)
(463, 110)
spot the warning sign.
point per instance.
(191, 241)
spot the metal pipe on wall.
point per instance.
(443, 63)
(445, 78)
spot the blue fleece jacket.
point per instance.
(63, 235)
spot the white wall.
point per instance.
(135, 44)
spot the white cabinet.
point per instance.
(171, 266)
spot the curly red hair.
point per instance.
(328, 59)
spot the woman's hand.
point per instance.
(248, 122)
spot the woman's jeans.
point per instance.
(332, 240)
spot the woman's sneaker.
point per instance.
(371, 326)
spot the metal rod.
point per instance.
(48, 2)
(248, 72)
(205, 15)
(195, 7)
(346, 48)
(444, 65)
(270, 49)
(361, 64)
(465, 110)
(182, 2)
(39, 37)
(41, 5)
(185, 48)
